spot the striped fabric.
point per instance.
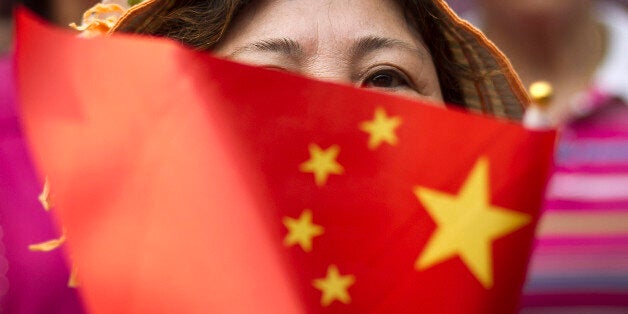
(580, 263)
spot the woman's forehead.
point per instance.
(321, 21)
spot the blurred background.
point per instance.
(60, 12)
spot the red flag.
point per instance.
(192, 184)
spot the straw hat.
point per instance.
(498, 92)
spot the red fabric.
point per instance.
(172, 172)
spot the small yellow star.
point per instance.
(381, 129)
(467, 224)
(334, 286)
(322, 163)
(301, 230)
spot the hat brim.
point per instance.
(499, 90)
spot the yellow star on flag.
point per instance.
(381, 129)
(301, 230)
(322, 163)
(334, 286)
(467, 224)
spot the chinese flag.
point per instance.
(190, 184)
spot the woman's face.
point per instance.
(365, 43)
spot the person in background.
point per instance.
(580, 48)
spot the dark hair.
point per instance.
(201, 24)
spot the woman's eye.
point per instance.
(385, 79)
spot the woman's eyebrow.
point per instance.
(368, 44)
(281, 45)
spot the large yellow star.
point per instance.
(322, 163)
(334, 286)
(467, 224)
(301, 230)
(381, 129)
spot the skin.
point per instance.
(364, 43)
